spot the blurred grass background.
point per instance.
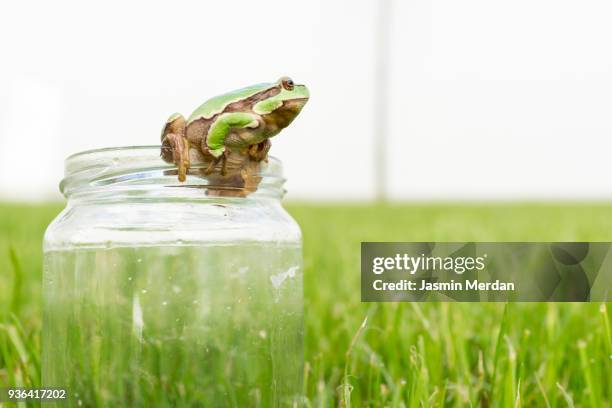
(411, 355)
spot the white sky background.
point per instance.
(488, 99)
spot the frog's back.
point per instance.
(218, 104)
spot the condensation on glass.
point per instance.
(160, 293)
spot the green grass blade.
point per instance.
(567, 396)
(498, 350)
(16, 300)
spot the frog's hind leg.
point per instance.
(214, 144)
(175, 149)
(175, 146)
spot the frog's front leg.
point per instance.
(175, 146)
(214, 143)
(215, 161)
(259, 151)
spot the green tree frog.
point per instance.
(239, 122)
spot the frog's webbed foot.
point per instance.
(175, 146)
(259, 151)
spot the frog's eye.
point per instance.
(288, 83)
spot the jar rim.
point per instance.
(139, 168)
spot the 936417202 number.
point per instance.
(25, 394)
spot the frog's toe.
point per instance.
(183, 161)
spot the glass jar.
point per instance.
(161, 293)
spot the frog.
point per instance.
(239, 122)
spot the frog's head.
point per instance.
(282, 106)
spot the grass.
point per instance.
(379, 355)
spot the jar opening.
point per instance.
(140, 172)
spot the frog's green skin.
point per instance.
(241, 121)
